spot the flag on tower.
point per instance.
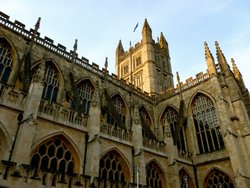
(136, 26)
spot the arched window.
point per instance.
(113, 169)
(207, 127)
(53, 155)
(146, 122)
(5, 61)
(169, 118)
(217, 178)
(185, 179)
(85, 90)
(154, 176)
(120, 110)
(51, 83)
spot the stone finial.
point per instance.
(222, 60)
(208, 54)
(236, 71)
(37, 26)
(163, 42)
(106, 64)
(178, 78)
(146, 25)
(75, 46)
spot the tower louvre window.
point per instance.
(5, 61)
(207, 127)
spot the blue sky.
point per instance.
(186, 24)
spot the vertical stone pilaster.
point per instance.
(140, 166)
(94, 145)
(24, 137)
(137, 138)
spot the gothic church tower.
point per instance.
(146, 65)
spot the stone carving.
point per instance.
(136, 118)
(96, 97)
(38, 77)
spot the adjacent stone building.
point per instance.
(67, 123)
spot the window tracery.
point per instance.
(185, 179)
(169, 118)
(85, 90)
(206, 123)
(113, 168)
(55, 156)
(6, 60)
(51, 83)
(154, 176)
(219, 179)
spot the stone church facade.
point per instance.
(67, 123)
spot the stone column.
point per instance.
(231, 143)
(94, 145)
(27, 127)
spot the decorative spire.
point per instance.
(37, 26)
(222, 60)
(74, 51)
(209, 60)
(163, 42)
(146, 25)
(106, 64)
(120, 47)
(238, 75)
(146, 33)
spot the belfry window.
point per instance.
(206, 123)
(169, 119)
(85, 90)
(5, 61)
(51, 83)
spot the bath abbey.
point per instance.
(67, 123)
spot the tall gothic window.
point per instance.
(145, 120)
(154, 176)
(113, 170)
(169, 118)
(85, 90)
(5, 61)
(217, 178)
(51, 83)
(53, 155)
(206, 123)
(120, 108)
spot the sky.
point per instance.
(186, 24)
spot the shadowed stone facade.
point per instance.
(67, 123)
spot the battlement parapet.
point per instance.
(61, 50)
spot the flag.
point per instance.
(136, 26)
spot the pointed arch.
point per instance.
(145, 116)
(218, 178)
(85, 88)
(155, 175)
(207, 128)
(169, 122)
(120, 106)
(55, 152)
(113, 167)
(185, 179)
(8, 60)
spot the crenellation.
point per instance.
(19, 24)
(4, 16)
